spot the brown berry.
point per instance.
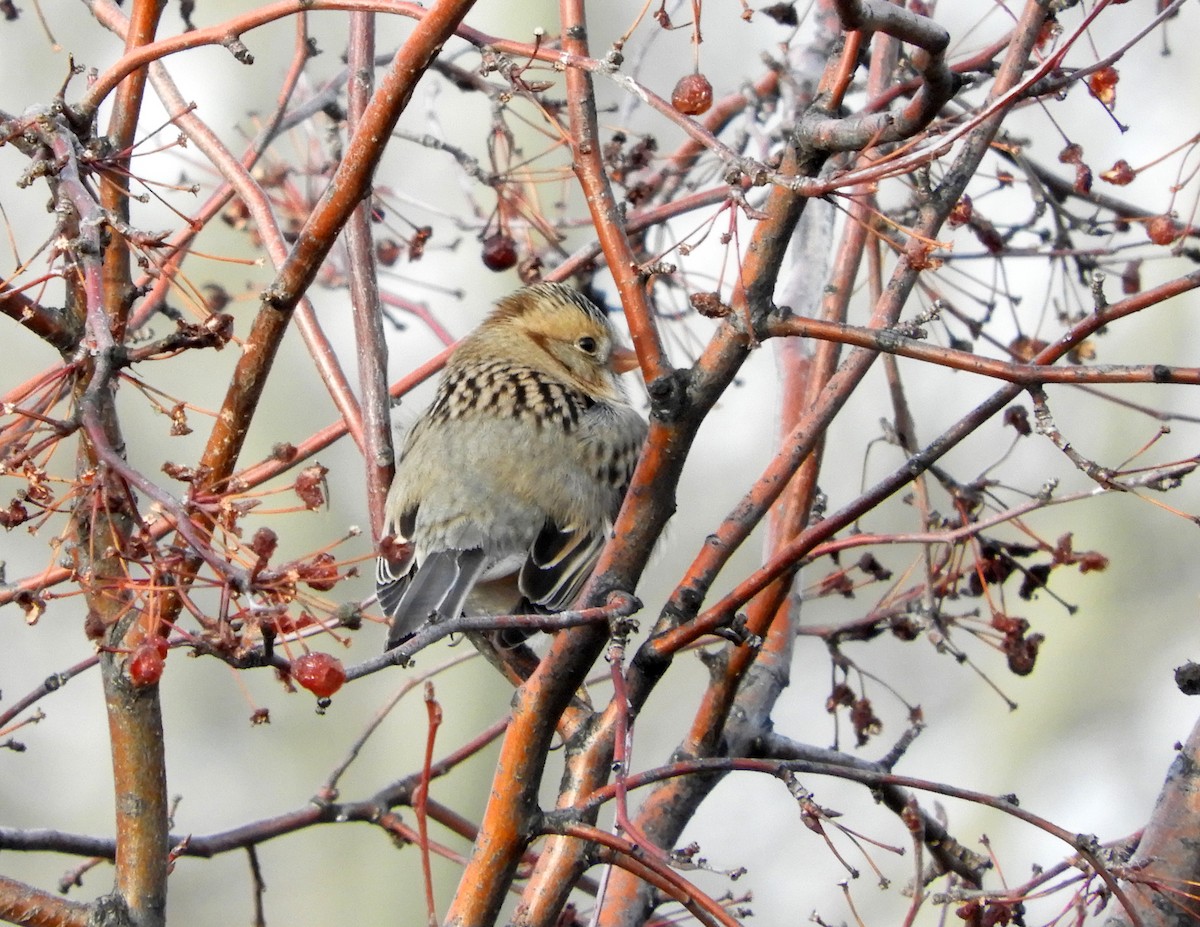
(1163, 230)
(1083, 179)
(961, 213)
(709, 305)
(1131, 278)
(1119, 174)
(322, 573)
(320, 673)
(1072, 154)
(1104, 85)
(499, 252)
(530, 270)
(264, 542)
(388, 252)
(692, 95)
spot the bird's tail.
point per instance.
(435, 591)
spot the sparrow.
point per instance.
(508, 484)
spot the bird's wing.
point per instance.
(413, 593)
(394, 564)
(435, 591)
(559, 563)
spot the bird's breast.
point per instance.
(487, 481)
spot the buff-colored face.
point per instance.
(556, 329)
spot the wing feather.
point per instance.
(436, 591)
(559, 563)
(414, 593)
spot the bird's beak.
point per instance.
(623, 360)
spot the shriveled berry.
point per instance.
(1104, 85)
(1083, 179)
(1163, 230)
(264, 542)
(1120, 174)
(388, 252)
(709, 305)
(693, 95)
(1072, 154)
(1131, 278)
(320, 673)
(322, 573)
(961, 213)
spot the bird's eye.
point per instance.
(587, 344)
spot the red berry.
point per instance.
(692, 95)
(320, 673)
(321, 574)
(499, 252)
(146, 664)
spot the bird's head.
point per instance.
(555, 328)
